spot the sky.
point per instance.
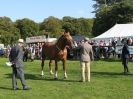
(38, 10)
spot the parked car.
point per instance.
(2, 52)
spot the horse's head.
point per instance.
(66, 40)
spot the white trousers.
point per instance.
(85, 71)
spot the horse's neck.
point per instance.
(61, 46)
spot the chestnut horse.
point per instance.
(57, 51)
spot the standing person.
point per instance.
(16, 58)
(25, 57)
(125, 57)
(86, 56)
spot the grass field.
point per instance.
(107, 82)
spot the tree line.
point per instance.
(11, 31)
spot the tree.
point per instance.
(78, 26)
(27, 27)
(109, 3)
(85, 26)
(107, 16)
(52, 26)
(9, 33)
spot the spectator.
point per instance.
(125, 57)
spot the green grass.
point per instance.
(107, 82)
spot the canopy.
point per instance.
(118, 30)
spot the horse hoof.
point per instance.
(65, 77)
(55, 78)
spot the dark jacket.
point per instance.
(125, 52)
(16, 56)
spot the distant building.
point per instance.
(36, 39)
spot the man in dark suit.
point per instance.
(16, 58)
(125, 57)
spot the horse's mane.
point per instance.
(65, 35)
(50, 43)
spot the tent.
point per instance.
(118, 30)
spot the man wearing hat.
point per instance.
(16, 58)
(86, 56)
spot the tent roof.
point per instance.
(118, 30)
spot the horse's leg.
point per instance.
(42, 65)
(64, 68)
(50, 67)
(56, 70)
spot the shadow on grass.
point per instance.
(5, 88)
(60, 80)
(28, 76)
(111, 60)
(110, 73)
(39, 77)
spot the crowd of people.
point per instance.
(31, 51)
(102, 48)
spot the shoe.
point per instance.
(126, 73)
(26, 88)
(15, 88)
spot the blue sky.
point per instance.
(38, 10)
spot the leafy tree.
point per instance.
(109, 3)
(68, 26)
(52, 26)
(9, 33)
(85, 26)
(80, 26)
(107, 16)
(27, 27)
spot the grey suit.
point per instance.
(86, 55)
(16, 57)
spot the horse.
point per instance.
(57, 52)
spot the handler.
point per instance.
(86, 56)
(16, 58)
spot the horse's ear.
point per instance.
(67, 33)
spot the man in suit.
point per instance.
(86, 56)
(125, 57)
(16, 58)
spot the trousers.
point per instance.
(85, 71)
(18, 72)
(125, 64)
